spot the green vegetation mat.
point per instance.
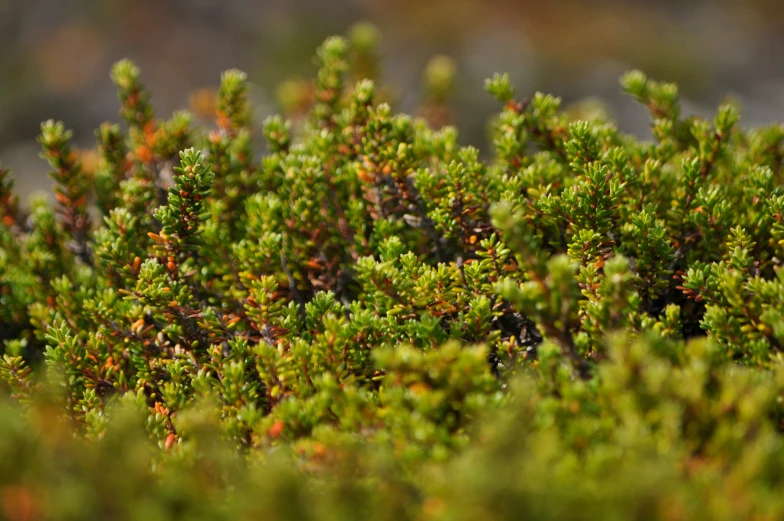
(374, 322)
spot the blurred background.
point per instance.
(55, 55)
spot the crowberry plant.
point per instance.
(370, 319)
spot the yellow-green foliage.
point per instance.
(372, 321)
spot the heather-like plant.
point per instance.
(577, 317)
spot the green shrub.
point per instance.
(374, 321)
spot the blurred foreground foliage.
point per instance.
(372, 321)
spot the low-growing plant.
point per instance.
(372, 320)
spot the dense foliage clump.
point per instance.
(372, 320)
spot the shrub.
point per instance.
(373, 320)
